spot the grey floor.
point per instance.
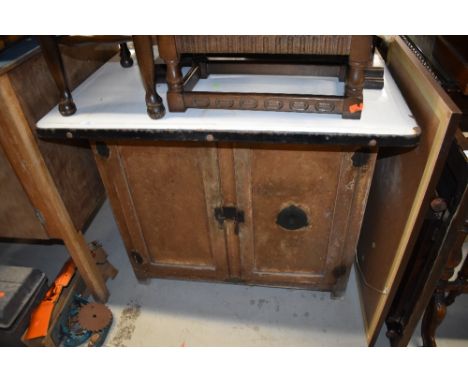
(184, 313)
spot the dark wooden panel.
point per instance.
(17, 216)
(338, 45)
(452, 53)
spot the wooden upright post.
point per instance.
(360, 51)
(144, 53)
(168, 52)
(51, 53)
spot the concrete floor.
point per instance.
(185, 313)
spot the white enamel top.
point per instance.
(113, 98)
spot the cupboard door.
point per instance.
(167, 193)
(303, 208)
(403, 184)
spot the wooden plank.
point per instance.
(228, 190)
(362, 178)
(400, 191)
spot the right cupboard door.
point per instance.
(303, 207)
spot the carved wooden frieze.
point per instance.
(268, 102)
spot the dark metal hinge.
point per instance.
(229, 213)
(361, 157)
(136, 257)
(102, 149)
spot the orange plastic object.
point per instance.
(41, 316)
(354, 108)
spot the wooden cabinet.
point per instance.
(298, 171)
(26, 81)
(225, 195)
(292, 219)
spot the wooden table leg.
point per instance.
(51, 53)
(361, 47)
(433, 317)
(144, 52)
(168, 52)
(21, 148)
(126, 60)
(437, 308)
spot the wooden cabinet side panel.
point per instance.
(71, 164)
(356, 205)
(76, 177)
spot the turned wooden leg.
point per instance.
(437, 308)
(433, 317)
(361, 47)
(125, 56)
(168, 52)
(51, 53)
(144, 53)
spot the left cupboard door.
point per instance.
(163, 196)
